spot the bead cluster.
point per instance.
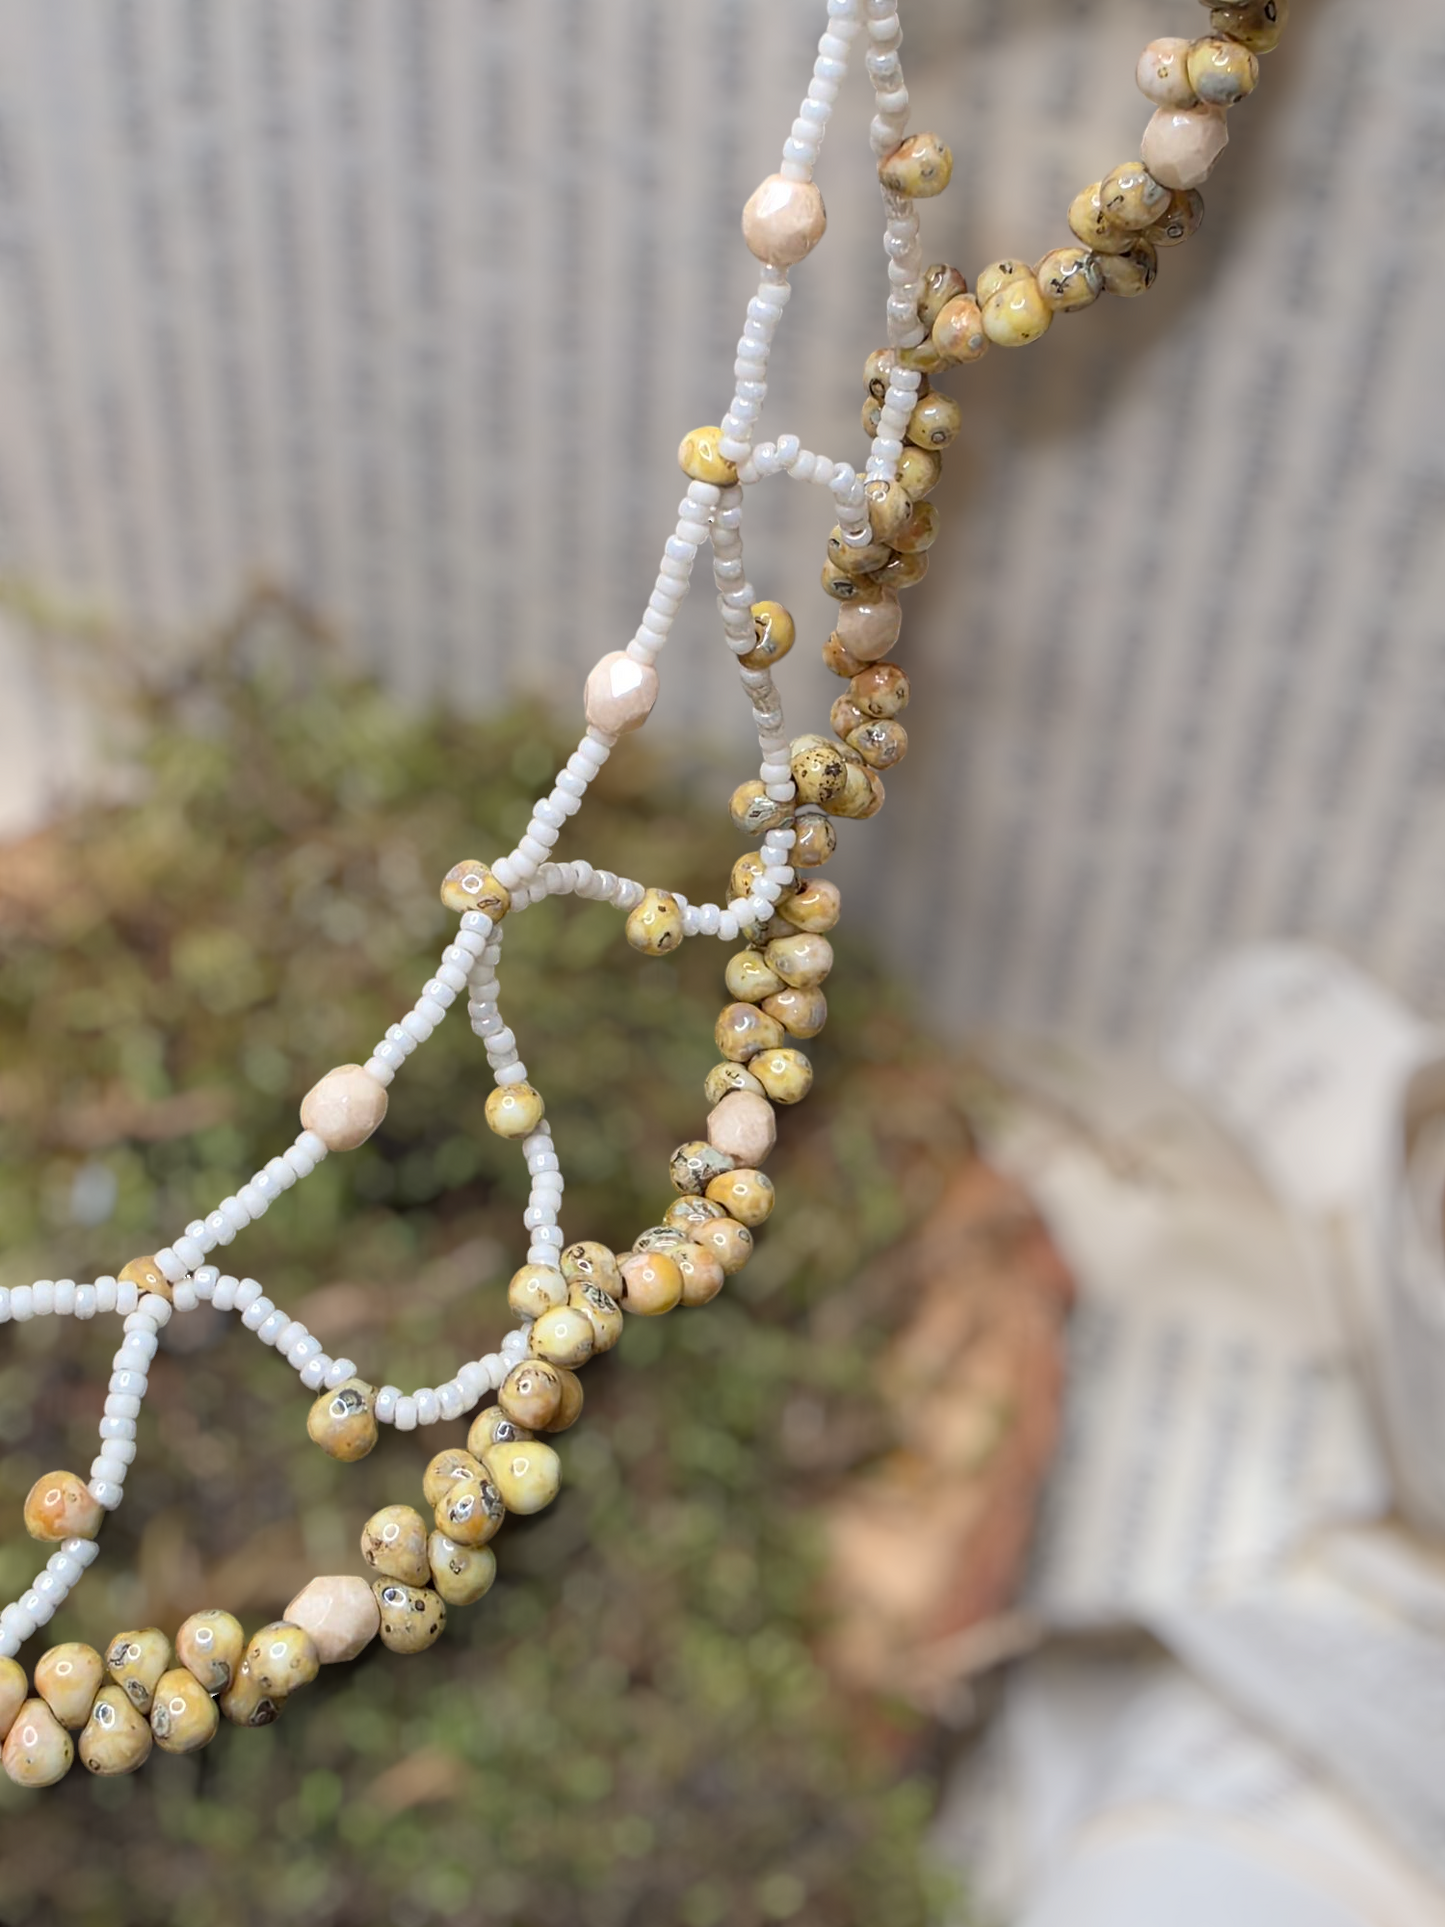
(570, 1299)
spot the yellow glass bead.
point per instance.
(514, 1110)
(882, 689)
(802, 1012)
(116, 1738)
(753, 811)
(183, 1714)
(920, 532)
(588, 1263)
(533, 1289)
(786, 1075)
(941, 284)
(470, 1511)
(729, 1242)
(747, 1196)
(412, 1617)
(38, 1751)
(816, 905)
(919, 471)
(1092, 225)
(531, 1394)
(60, 1506)
(68, 1678)
(146, 1275)
(244, 1704)
(888, 507)
(1130, 197)
(1069, 278)
(445, 1470)
(749, 979)
(855, 560)
(742, 1030)
(1181, 218)
(211, 1644)
(702, 1275)
(958, 332)
(491, 1426)
(603, 1312)
(460, 1574)
(698, 457)
(393, 1542)
(1257, 26)
(343, 1421)
(655, 926)
(783, 221)
(1133, 271)
(651, 1283)
(527, 1476)
(919, 167)
(563, 1336)
(471, 886)
(815, 840)
(775, 631)
(1017, 314)
(997, 275)
(1222, 70)
(802, 960)
(135, 1661)
(934, 423)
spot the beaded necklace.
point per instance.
(570, 1300)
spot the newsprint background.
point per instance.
(383, 300)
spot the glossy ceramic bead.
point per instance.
(1132, 272)
(602, 1309)
(882, 742)
(412, 1617)
(531, 1394)
(527, 1476)
(619, 693)
(919, 167)
(748, 977)
(815, 840)
(533, 1289)
(1222, 70)
(868, 629)
(655, 926)
(690, 1212)
(745, 1195)
(844, 716)
(998, 274)
(882, 689)
(1181, 144)
(1130, 197)
(651, 1283)
(879, 369)
(460, 1575)
(903, 571)
(471, 1511)
(753, 811)
(871, 416)
(210, 1646)
(729, 1242)
(569, 1403)
(344, 1108)
(855, 561)
(888, 507)
(743, 1126)
(1069, 278)
(658, 1237)
(801, 960)
(784, 220)
(786, 1075)
(281, 1657)
(343, 1421)
(941, 284)
(935, 422)
(919, 471)
(802, 1012)
(702, 1275)
(745, 873)
(339, 1614)
(589, 1263)
(816, 905)
(68, 1678)
(919, 532)
(841, 584)
(444, 1470)
(146, 1275)
(37, 1750)
(699, 458)
(775, 631)
(818, 772)
(1257, 26)
(863, 796)
(393, 1542)
(740, 1031)
(183, 1714)
(491, 1426)
(1162, 74)
(562, 1336)
(135, 1661)
(958, 331)
(14, 1691)
(514, 1110)
(244, 1704)
(471, 886)
(59, 1506)
(116, 1738)
(840, 660)
(1089, 222)
(1017, 314)
(1181, 218)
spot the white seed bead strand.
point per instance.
(800, 149)
(899, 402)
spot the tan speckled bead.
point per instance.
(919, 532)
(687, 1214)
(393, 1541)
(775, 631)
(748, 977)
(753, 811)
(1222, 70)
(1017, 314)
(903, 571)
(844, 716)
(815, 839)
(919, 470)
(997, 275)
(281, 1657)
(802, 1012)
(344, 1107)
(1181, 144)
(1162, 74)
(934, 423)
(817, 905)
(1133, 271)
(702, 1275)
(491, 1426)
(339, 1613)
(470, 885)
(651, 1283)
(38, 1750)
(747, 1196)
(745, 873)
(68, 1678)
(888, 507)
(730, 1243)
(533, 1289)
(855, 560)
(881, 689)
(531, 1394)
(1088, 221)
(343, 1421)
(461, 1575)
(743, 1125)
(619, 693)
(602, 1309)
(699, 458)
(115, 1739)
(882, 741)
(659, 1237)
(863, 796)
(655, 926)
(784, 220)
(444, 1470)
(694, 1165)
(840, 660)
(871, 416)
(1257, 26)
(741, 1030)
(841, 585)
(527, 1476)
(14, 1691)
(183, 1715)
(590, 1263)
(869, 629)
(135, 1661)
(941, 284)
(958, 332)
(146, 1275)
(804, 959)
(878, 372)
(471, 1511)
(1181, 218)
(569, 1404)
(244, 1704)
(60, 1506)
(563, 1336)
(412, 1617)
(1069, 278)
(918, 167)
(786, 1075)
(818, 771)
(212, 1646)
(1130, 197)
(514, 1110)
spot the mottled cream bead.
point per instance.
(842, 584)
(1162, 74)
(919, 471)
(844, 716)
(1091, 224)
(786, 1075)
(958, 332)
(282, 1657)
(1130, 197)
(68, 1678)
(461, 1575)
(1222, 70)
(753, 811)
(784, 220)
(919, 532)
(871, 416)
(879, 369)
(817, 905)
(38, 1750)
(1181, 218)
(651, 1283)
(514, 1110)
(855, 561)
(694, 1165)
(776, 633)
(888, 507)
(563, 1336)
(590, 1263)
(1181, 144)
(412, 1617)
(882, 689)
(863, 796)
(527, 1476)
(741, 1030)
(1133, 271)
(619, 693)
(687, 1214)
(338, 1612)
(802, 1012)
(343, 1421)
(602, 1310)
(934, 422)
(1257, 26)
(1069, 278)
(941, 284)
(702, 1274)
(800, 960)
(725, 1077)
(531, 1394)
(816, 839)
(569, 1403)
(344, 1108)
(882, 741)
(922, 356)
(444, 1470)
(745, 873)
(116, 1738)
(59, 1506)
(819, 772)
(135, 1661)
(997, 275)
(244, 1704)
(393, 1541)
(919, 167)
(659, 1237)
(747, 1196)
(902, 571)
(743, 1126)
(491, 1426)
(211, 1645)
(698, 456)
(14, 1691)
(840, 660)
(655, 926)
(146, 1275)
(869, 629)
(748, 977)
(471, 1511)
(471, 886)
(1017, 314)
(729, 1242)
(183, 1714)
(533, 1289)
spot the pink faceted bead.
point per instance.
(344, 1108)
(744, 1126)
(784, 220)
(1181, 144)
(620, 693)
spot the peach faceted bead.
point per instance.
(869, 627)
(784, 220)
(60, 1506)
(38, 1750)
(744, 1126)
(619, 693)
(344, 1108)
(1181, 144)
(340, 1614)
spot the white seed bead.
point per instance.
(313, 1372)
(405, 1417)
(269, 1328)
(247, 1292)
(115, 1427)
(256, 1313)
(223, 1292)
(384, 1409)
(339, 1371)
(107, 1493)
(428, 1407)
